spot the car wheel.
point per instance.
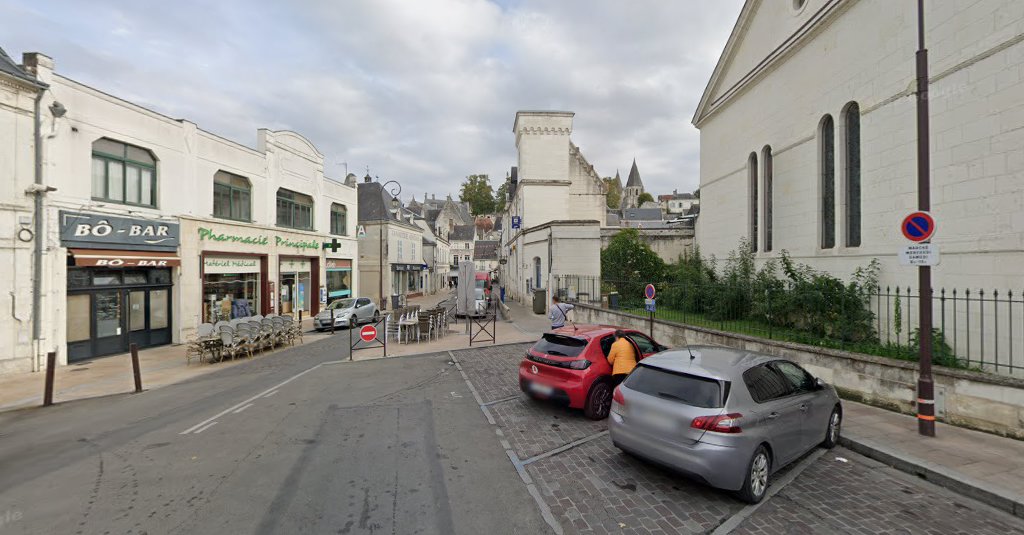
(835, 422)
(376, 316)
(599, 401)
(756, 483)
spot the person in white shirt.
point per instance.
(558, 312)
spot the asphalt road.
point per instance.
(301, 441)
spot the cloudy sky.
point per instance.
(422, 91)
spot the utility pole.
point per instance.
(925, 384)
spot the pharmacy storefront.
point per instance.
(237, 270)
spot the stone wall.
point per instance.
(969, 399)
(669, 244)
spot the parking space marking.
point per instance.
(503, 400)
(253, 398)
(566, 447)
(735, 520)
(545, 511)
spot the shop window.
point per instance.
(230, 295)
(135, 277)
(123, 174)
(106, 278)
(232, 197)
(79, 278)
(339, 219)
(160, 276)
(294, 210)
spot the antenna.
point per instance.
(686, 341)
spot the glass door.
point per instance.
(107, 315)
(138, 332)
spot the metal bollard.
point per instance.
(332, 321)
(51, 365)
(300, 315)
(135, 367)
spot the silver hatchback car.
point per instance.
(727, 417)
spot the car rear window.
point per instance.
(681, 387)
(561, 346)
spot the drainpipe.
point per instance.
(37, 265)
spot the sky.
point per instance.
(420, 91)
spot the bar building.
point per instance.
(155, 225)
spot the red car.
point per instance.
(570, 366)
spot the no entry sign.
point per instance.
(918, 226)
(368, 333)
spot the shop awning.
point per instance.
(111, 258)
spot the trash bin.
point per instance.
(540, 297)
(394, 302)
(613, 300)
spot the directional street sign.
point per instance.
(918, 227)
(649, 291)
(920, 254)
(368, 333)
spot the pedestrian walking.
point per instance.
(558, 312)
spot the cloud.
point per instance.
(424, 92)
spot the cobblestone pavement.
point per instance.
(595, 488)
(494, 371)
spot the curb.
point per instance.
(942, 476)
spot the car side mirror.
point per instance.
(819, 384)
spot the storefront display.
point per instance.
(339, 279)
(231, 287)
(295, 285)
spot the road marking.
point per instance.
(738, 518)
(270, 394)
(229, 409)
(545, 511)
(242, 408)
(503, 400)
(568, 446)
(205, 427)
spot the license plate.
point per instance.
(655, 420)
(541, 388)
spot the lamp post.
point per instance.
(395, 191)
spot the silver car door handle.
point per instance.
(773, 416)
(803, 407)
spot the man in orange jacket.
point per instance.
(622, 357)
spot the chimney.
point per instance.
(433, 197)
(675, 192)
(38, 65)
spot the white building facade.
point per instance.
(156, 226)
(808, 137)
(552, 222)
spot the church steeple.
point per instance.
(634, 177)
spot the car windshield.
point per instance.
(341, 303)
(558, 345)
(681, 387)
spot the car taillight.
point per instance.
(722, 423)
(617, 396)
(580, 364)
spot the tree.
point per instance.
(499, 197)
(483, 226)
(613, 193)
(476, 190)
(644, 197)
(629, 263)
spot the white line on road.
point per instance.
(242, 408)
(205, 427)
(265, 392)
(738, 518)
(270, 394)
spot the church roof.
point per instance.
(634, 177)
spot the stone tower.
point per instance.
(634, 187)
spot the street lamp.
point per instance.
(395, 191)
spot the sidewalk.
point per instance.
(112, 374)
(979, 465)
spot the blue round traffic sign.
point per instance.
(918, 226)
(649, 291)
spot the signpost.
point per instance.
(650, 305)
(925, 384)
